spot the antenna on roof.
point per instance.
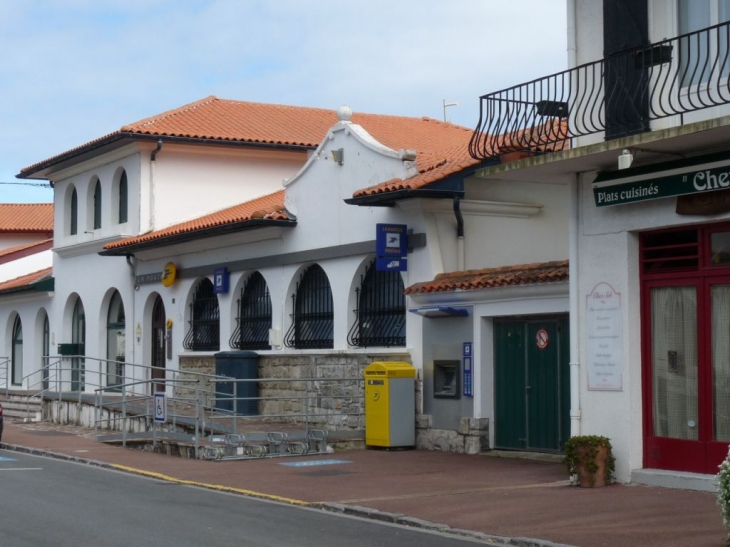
(446, 105)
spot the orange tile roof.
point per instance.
(276, 125)
(25, 280)
(432, 166)
(25, 249)
(270, 207)
(26, 217)
(490, 278)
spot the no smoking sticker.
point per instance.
(542, 339)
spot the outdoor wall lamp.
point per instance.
(625, 159)
(339, 156)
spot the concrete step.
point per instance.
(18, 409)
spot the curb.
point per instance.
(397, 518)
(340, 508)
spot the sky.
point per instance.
(74, 70)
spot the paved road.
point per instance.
(48, 502)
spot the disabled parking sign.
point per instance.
(160, 408)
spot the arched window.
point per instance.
(115, 341)
(313, 325)
(17, 352)
(381, 310)
(254, 315)
(74, 210)
(97, 205)
(204, 333)
(123, 198)
(46, 350)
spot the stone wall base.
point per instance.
(472, 437)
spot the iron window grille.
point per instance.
(254, 315)
(381, 310)
(313, 321)
(204, 332)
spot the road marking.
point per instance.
(218, 487)
(4, 459)
(312, 463)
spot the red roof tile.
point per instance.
(26, 217)
(490, 278)
(432, 166)
(277, 125)
(13, 253)
(25, 280)
(270, 207)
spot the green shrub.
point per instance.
(591, 443)
(723, 491)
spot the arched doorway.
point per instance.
(45, 351)
(17, 352)
(158, 343)
(115, 343)
(78, 338)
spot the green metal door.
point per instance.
(532, 384)
(509, 385)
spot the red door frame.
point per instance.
(705, 454)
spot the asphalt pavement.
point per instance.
(521, 502)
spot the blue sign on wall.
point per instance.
(468, 372)
(220, 281)
(391, 247)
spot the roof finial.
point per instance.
(344, 113)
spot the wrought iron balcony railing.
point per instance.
(620, 95)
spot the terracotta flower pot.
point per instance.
(588, 478)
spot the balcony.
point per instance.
(619, 95)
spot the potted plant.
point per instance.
(590, 459)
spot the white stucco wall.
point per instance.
(27, 264)
(191, 181)
(609, 252)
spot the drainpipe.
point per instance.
(153, 158)
(132, 263)
(575, 413)
(572, 38)
(460, 259)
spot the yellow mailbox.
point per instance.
(390, 404)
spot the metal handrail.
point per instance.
(5, 373)
(619, 94)
(124, 401)
(55, 370)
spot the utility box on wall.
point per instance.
(390, 404)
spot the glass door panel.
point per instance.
(674, 362)
(720, 295)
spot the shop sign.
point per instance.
(169, 274)
(604, 339)
(220, 280)
(391, 247)
(665, 184)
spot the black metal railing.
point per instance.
(313, 321)
(381, 310)
(204, 332)
(254, 315)
(619, 95)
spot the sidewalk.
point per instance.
(496, 496)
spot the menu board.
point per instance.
(604, 339)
